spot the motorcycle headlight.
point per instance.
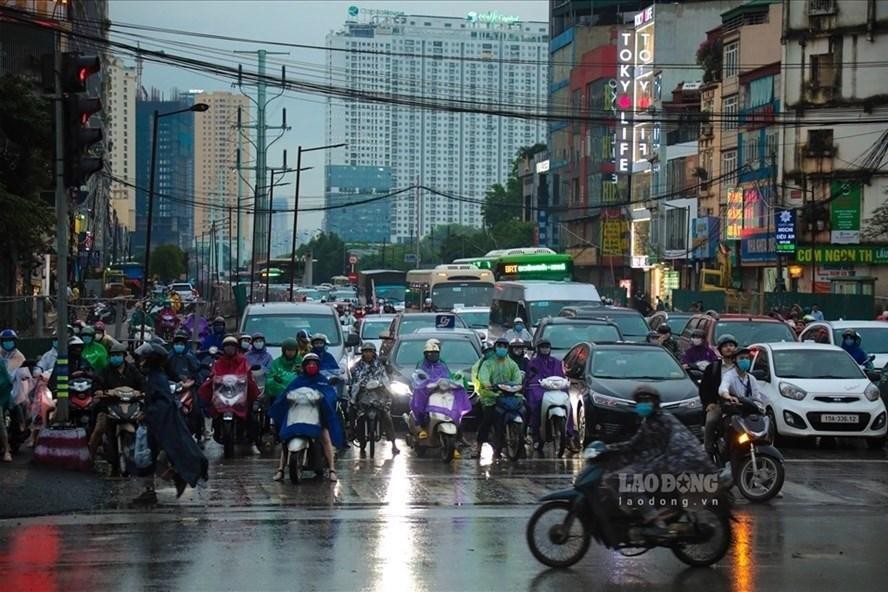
(791, 391)
(871, 392)
(400, 389)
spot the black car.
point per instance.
(405, 323)
(564, 333)
(632, 325)
(603, 377)
(459, 350)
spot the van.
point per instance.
(534, 300)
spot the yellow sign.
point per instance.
(613, 238)
(734, 215)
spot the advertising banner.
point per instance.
(784, 222)
(734, 215)
(844, 213)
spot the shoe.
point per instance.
(456, 454)
(147, 497)
(279, 475)
(180, 485)
(7, 457)
(363, 453)
(395, 449)
(423, 435)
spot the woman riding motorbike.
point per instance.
(541, 366)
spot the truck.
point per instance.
(388, 284)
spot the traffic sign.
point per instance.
(353, 278)
(352, 259)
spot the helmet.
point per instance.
(664, 329)
(8, 334)
(518, 320)
(501, 341)
(302, 334)
(698, 333)
(646, 392)
(150, 350)
(246, 337)
(808, 318)
(432, 345)
(219, 320)
(652, 335)
(181, 335)
(74, 340)
(543, 342)
(88, 330)
(258, 335)
(515, 343)
(100, 326)
(727, 338)
(289, 343)
(230, 340)
(311, 358)
(851, 333)
(712, 313)
(117, 348)
(368, 346)
(486, 345)
(319, 337)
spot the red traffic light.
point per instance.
(76, 70)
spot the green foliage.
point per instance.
(329, 252)
(167, 263)
(709, 57)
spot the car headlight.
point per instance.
(692, 403)
(871, 392)
(400, 389)
(791, 391)
(607, 401)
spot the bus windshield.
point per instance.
(450, 295)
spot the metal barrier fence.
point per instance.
(833, 306)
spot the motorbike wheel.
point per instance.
(763, 485)
(371, 434)
(227, 439)
(266, 444)
(557, 429)
(551, 542)
(716, 544)
(514, 441)
(448, 445)
(295, 467)
(125, 444)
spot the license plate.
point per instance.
(838, 418)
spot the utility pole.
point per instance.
(61, 207)
(780, 285)
(418, 223)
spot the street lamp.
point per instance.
(197, 108)
(296, 207)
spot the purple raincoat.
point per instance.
(540, 367)
(699, 353)
(420, 394)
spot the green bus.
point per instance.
(533, 263)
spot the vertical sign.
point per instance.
(643, 84)
(734, 215)
(613, 237)
(844, 213)
(625, 100)
(784, 223)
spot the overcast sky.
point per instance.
(291, 21)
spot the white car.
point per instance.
(873, 336)
(477, 318)
(185, 291)
(818, 390)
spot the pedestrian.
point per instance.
(660, 304)
(816, 312)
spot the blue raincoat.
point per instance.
(329, 417)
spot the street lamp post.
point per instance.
(299, 152)
(198, 108)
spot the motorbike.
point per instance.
(372, 401)
(266, 437)
(559, 532)
(511, 429)
(304, 449)
(695, 371)
(167, 325)
(80, 401)
(101, 311)
(746, 444)
(335, 378)
(230, 414)
(448, 403)
(184, 393)
(554, 411)
(125, 410)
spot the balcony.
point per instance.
(821, 7)
(706, 131)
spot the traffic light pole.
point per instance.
(61, 207)
(147, 272)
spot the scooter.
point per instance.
(746, 443)
(560, 531)
(101, 311)
(125, 411)
(511, 430)
(231, 417)
(554, 410)
(304, 449)
(266, 438)
(184, 393)
(371, 403)
(447, 404)
(80, 401)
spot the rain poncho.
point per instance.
(699, 353)
(496, 371)
(856, 352)
(259, 357)
(97, 356)
(329, 418)
(237, 365)
(420, 400)
(540, 367)
(281, 373)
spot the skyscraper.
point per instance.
(120, 139)
(487, 61)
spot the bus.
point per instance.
(388, 284)
(528, 263)
(449, 287)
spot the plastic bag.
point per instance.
(141, 450)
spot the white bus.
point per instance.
(447, 287)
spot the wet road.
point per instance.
(416, 524)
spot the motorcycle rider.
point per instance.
(304, 343)
(541, 366)
(10, 354)
(851, 344)
(500, 370)
(283, 369)
(181, 363)
(102, 337)
(664, 338)
(366, 369)
(232, 361)
(246, 342)
(166, 309)
(6, 406)
(47, 361)
(516, 352)
(167, 431)
(709, 386)
(738, 382)
(699, 350)
(117, 374)
(217, 333)
(319, 348)
(487, 353)
(347, 319)
(518, 331)
(76, 363)
(93, 352)
(258, 355)
(434, 369)
(139, 317)
(331, 431)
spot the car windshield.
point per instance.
(393, 294)
(567, 336)
(677, 323)
(747, 332)
(310, 294)
(630, 325)
(371, 328)
(636, 364)
(411, 323)
(873, 340)
(540, 309)
(811, 363)
(181, 287)
(344, 295)
(278, 327)
(458, 354)
(448, 296)
(475, 319)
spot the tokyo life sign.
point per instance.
(734, 215)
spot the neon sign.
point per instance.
(636, 90)
(492, 17)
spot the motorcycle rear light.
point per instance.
(879, 422)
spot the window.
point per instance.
(731, 65)
(823, 72)
(729, 168)
(821, 7)
(676, 229)
(729, 112)
(761, 364)
(751, 149)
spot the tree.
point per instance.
(329, 252)
(167, 263)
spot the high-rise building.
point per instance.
(368, 222)
(173, 221)
(486, 61)
(120, 139)
(216, 180)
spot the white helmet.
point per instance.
(518, 320)
(432, 345)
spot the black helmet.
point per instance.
(646, 392)
(501, 341)
(664, 329)
(181, 336)
(543, 343)
(851, 333)
(117, 348)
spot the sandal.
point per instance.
(331, 476)
(279, 475)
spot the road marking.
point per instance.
(836, 461)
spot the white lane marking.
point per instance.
(836, 461)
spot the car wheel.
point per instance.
(582, 430)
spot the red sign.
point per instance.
(353, 278)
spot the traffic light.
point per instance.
(78, 136)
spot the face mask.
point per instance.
(245, 344)
(115, 360)
(318, 349)
(644, 409)
(55, 344)
(519, 327)
(179, 348)
(312, 370)
(259, 344)
(545, 351)
(744, 365)
(696, 341)
(229, 350)
(218, 328)
(847, 342)
(501, 352)
(8, 345)
(87, 339)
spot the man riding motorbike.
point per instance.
(319, 348)
(541, 366)
(709, 385)
(366, 369)
(6, 406)
(518, 331)
(330, 434)
(665, 339)
(851, 344)
(10, 355)
(181, 363)
(738, 382)
(517, 349)
(76, 363)
(258, 355)
(283, 369)
(347, 319)
(118, 373)
(214, 339)
(93, 352)
(138, 318)
(699, 350)
(165, 310)
(102, 336)
(500, 370)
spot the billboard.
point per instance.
(734, 215)
(844, 213)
